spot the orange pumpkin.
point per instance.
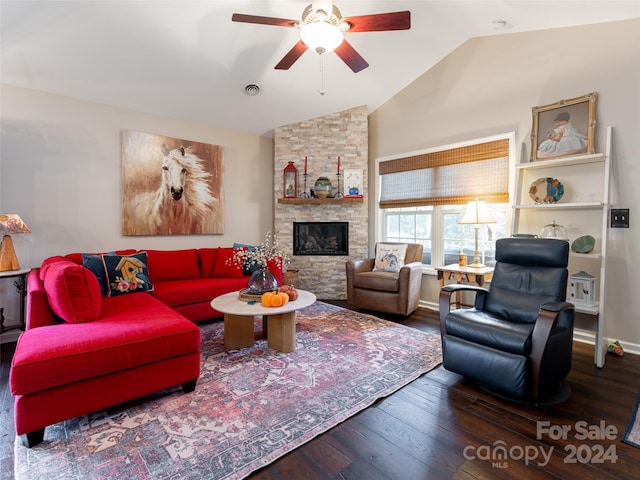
(274, 299)
(291, 292)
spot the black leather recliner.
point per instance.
(517, 339)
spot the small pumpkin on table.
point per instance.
(279, 297)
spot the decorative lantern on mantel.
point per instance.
(290, 186)
(583, 289)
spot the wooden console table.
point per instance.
(477, 275)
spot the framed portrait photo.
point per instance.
(564, 128)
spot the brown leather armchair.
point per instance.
(389, 292)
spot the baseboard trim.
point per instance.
(586, 336)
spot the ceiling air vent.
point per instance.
(251, 89)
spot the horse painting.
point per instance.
(170, 193)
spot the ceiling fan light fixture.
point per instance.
(321, 36)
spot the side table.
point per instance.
(477, 275)
(21, 285)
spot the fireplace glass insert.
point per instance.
(321, 238)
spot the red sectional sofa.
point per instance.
(88, 345)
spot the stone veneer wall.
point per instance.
(322, 140)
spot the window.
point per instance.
(424, 195)
(442, 237)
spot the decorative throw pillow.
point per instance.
(127, 273)
(94, 263)
(72, 292)
(389, 257)
(226, 266)
(47, 262)
(248, 268)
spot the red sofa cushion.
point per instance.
(133, 330)
(275, 267)
(73, 292)
(208, 257)
(184, 292)
(173, 264)
(226, 266)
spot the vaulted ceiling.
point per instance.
(186, 59)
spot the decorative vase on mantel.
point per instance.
(261, 281)
(323, 187)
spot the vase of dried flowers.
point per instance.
(267, 253)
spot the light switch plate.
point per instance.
(619, 218)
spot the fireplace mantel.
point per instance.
(315, 201)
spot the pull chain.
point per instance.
(321, 91)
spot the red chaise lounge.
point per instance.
(83, 351)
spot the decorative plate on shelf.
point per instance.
(546, 190)
(583, 244)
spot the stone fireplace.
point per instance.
(322, 140)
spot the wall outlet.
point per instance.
(619, 218)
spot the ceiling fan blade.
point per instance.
(277, 22)
(290, 58)
(380, 22)
(352, 58)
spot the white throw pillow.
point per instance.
(389, 257)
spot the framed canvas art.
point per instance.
(564, 128)
(170, 186)
(352, 182)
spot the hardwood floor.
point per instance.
(441, 426)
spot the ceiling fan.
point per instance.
(322, 29)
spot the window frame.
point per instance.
(437, 218)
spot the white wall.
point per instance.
(60, 170)
(488, 86)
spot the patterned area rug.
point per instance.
(250, 406)
(632, 433)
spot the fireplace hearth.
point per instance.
(321, 238)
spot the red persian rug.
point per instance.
(250, 406)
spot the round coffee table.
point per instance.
(280, 321)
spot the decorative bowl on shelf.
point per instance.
(583, 244)
(546, 190)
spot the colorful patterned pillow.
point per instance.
(389, 257)
(127, 273)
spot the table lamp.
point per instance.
(477, 214)
(10, 223)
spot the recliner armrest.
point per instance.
(557, 306)
(547, 318)
(454, 287)
(444, 301)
